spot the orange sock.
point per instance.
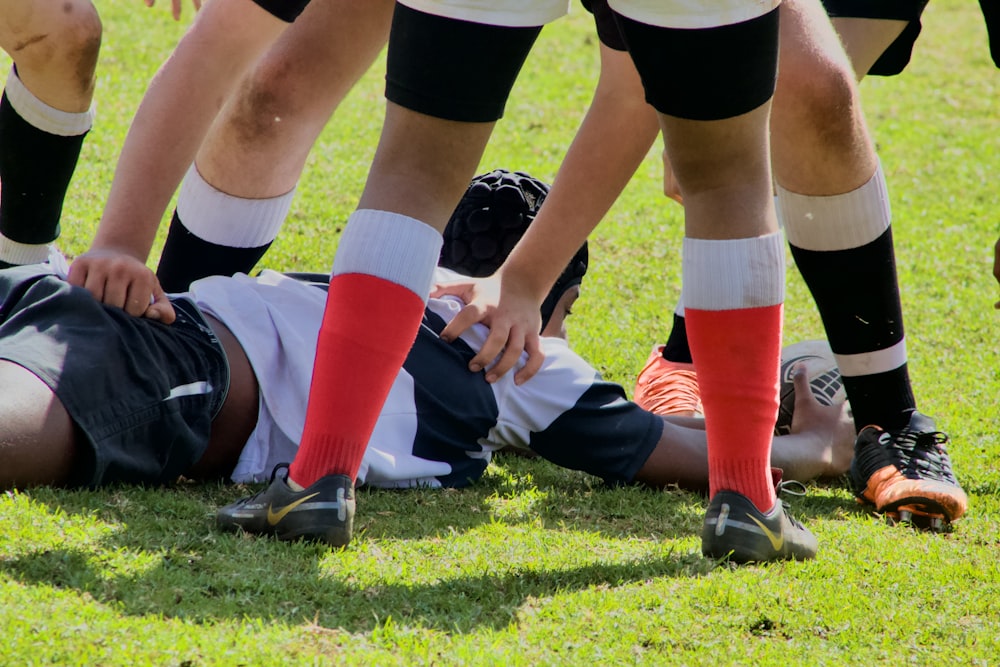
(737, 354)
(368, 329)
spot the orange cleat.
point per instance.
(668, 387)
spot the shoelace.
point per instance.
(921, 455)
(791, 487)
(274, 474)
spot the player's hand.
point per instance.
(175, 7)
(513, 318)
(121, 280)
(830, 426)
(996, 267)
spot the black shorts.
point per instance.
(607, 27)
(452, 69)
(286, 10)
(896, 57)
(142, 393)
(705, 74)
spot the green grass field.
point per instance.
(536, 565)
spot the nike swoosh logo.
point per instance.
(274, 517)
(776, 542)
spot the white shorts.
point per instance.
(506, 13)
(692, 14)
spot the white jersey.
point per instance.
(440, 423)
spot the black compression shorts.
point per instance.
(452, 69)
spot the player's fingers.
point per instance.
(95, 283)
(448, 289)
(175, 9)
(493, 346)
(532, 346)
(161, 309)
(466, 317)
(138, 297)
(77, 274)
(509, 357)
(803, 392)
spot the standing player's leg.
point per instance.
(835, 208)
(235, 197)
(45, 112)
(667, 383)
(447, 84)
(717, 136)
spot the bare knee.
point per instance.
(60, 46)
(273, 98)
(819, 96)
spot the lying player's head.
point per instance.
(486, 225)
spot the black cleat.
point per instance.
(324, 511)
(736, 529)
(907, 475)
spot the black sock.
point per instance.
(676, 348)
(35, 171)
(857, 296)
(187, 258)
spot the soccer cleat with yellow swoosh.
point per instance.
(736, 530)
(324, 511)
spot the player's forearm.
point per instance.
(175, 115)
(612, 142)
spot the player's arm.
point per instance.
(820, 445)
(612, 141)
(176, 112)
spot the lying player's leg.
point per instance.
(124, 399)
(38, 442)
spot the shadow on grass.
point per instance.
(162, 555)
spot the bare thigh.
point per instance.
(38, 440)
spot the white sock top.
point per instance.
(391, 246)
(734, 273)
(223, 219)
(41, 115)
(836, 222)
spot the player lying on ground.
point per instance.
(94, 396)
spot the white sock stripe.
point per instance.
(41, 115)
(391, 246)
(222, 219)
(13, 252)
(837, 222)
(872, 363)
(735, 273)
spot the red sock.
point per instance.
(368, 328)
(737, 354)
